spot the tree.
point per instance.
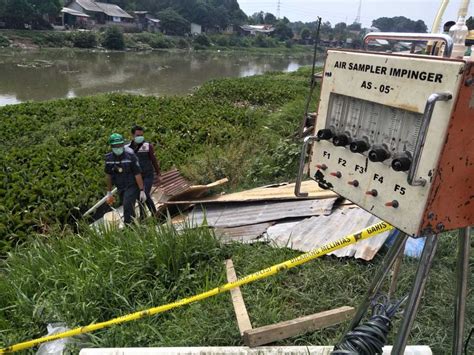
(17, 13)
(113, 38)
(257, 18)
(326, 27)
(173, 23)
(269, 19)
(340, 27)
(305, 33)
(470, 23)
(399, 24)
(282, 31)
(354, 27)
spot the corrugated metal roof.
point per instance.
(113, 10)
(242, 214)
(89, 5)
(172, 183)
(73, 12)
(109, 9)
(269, 193)
(243, 234)
(314, 232)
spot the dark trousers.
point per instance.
(147, 185)
(128, 197)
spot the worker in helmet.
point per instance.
(122, 169)
(148, 163)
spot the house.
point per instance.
(100, 13)
(146, 22)
(253, 30)
(74, 19)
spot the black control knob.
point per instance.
(340, 140)
(325, 134)
(359, 146)
(379, 154)
(401, 164)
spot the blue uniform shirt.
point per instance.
(122, 168)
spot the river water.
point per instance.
(50, 74)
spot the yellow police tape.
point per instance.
(272, 270)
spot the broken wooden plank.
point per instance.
(271, 333)
(280, 192)
(243, 320)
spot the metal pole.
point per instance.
(395, 273)
(415, 295)
(464, 244)
(313, 81)
(396, 249)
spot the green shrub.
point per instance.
(222, 41)
(154, 40)
(182, 43)
(84, 39)
(113, 38)
(264, 41)
(4, 41)
(202, 40)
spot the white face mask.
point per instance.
(117, 151)
(139, 139)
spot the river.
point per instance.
(51, 74)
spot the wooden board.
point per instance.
(243, 320)
(270, 333)
(266, 193)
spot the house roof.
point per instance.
(109, 9)
(72, 12)
(258, 28)
(113, 10)
(89, 5)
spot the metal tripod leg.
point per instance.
(390, 258)
(464, 244)
(415, 295)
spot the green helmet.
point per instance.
(116, 138)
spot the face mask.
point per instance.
(117, 151)
(139, 139)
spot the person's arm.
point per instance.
(110, 198)
(108, 180)
(154, 161)
(139, 180)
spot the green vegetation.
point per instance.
(92, 277)
(51, 166)
(86, 39)
(113, 38)
(4, 42)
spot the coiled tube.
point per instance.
(370, 337)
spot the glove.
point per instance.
(142, 196)
(110, 198)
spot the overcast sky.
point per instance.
(336, 11)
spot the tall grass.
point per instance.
(91, 277)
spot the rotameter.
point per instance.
(395, 135)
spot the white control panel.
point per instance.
(380, 130)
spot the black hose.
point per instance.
(370, 337)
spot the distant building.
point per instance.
(96, 14)
(196, 29)
(146, 22)
(252, 30)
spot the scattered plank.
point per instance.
(243, 320)
(281, 192)
(271, 333)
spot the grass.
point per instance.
(89, 277)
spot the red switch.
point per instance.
(354, 183)
(372, 192)
(336, 174)
(322, 166)
(393, 204)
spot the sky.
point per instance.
(336, 11)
